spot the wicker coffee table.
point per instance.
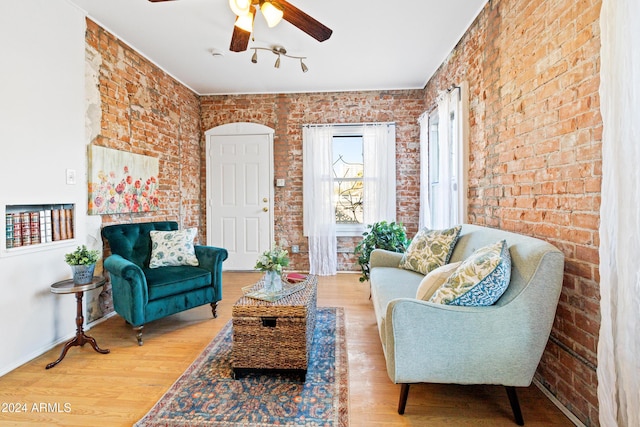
(274, 336)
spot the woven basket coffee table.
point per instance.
(274, 336)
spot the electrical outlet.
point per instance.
(295, 249)
(71, 176)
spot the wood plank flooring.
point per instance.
(117, 389)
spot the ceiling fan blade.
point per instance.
(306, 23)
(239, 40)
(158, 1)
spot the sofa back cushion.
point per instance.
(527, 255)
(133, 241)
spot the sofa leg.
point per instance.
(138, 331)
(404, 393)
(515, 405)
(214, 308)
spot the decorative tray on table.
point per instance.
(291, 283)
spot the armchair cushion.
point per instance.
(430, 249)
(480, 280)
(175, 280)
(172, 248)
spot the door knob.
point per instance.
(265, 200)
(265, 209)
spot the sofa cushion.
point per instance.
(480, 280)
(174, 280)
(171, 248)
(434, 280)
(430, 249)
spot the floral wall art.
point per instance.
(121, 182)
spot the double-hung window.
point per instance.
(348, 183)
(363, 175)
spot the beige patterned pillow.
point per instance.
(434, 280)
(480, 280)
(430, 249)
(171, 248)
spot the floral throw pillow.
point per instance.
(480, 280)
(171, 248)
(430, 249)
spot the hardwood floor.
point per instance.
(117, 389)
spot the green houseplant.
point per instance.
(82, 262)
(391, 236)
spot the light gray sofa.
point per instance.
(500, 344)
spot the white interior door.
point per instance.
(240, 193)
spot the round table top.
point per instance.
(68, 287)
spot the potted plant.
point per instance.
(391, 236)
(272, 262)
(82, 262)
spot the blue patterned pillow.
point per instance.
(480, 280)
(171, 248)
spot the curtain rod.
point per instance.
(435, 107)
(349, 124)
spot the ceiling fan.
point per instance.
(273, 11)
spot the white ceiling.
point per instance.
(376, 44)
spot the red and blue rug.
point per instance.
(207, 395)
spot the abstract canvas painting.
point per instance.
(121, 182)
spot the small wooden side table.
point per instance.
(68, 287)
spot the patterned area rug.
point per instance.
(207, 395)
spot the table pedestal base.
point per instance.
(80, 338)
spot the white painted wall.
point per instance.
(42, 133)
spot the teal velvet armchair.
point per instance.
(142, 294)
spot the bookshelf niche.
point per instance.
(38, 226)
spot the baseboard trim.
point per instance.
(558, 404)
(39, 352)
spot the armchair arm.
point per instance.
(384, 258)
(130, 285)
(427, 342)
(211, 258)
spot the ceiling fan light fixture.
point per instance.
(272, 12)
(240, 7)
(303, 66)
(277, 64)
(245, 22)
(254, 57)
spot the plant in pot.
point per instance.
(272, 262)
(391, 236)
(82, 262)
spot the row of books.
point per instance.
(35, 227)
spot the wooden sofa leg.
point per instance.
(214, 308)
(515, 405)
(138, 331)
(404, 393)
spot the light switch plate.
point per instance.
(279, 182)
(71, 176)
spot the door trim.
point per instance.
(232, 129)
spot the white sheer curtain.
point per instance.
(379, 149)
(619, 341)
(319, 211)
(424, 215)
(443, 199)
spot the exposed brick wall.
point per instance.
(535, 162)
(145, 111)
(286, 113)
